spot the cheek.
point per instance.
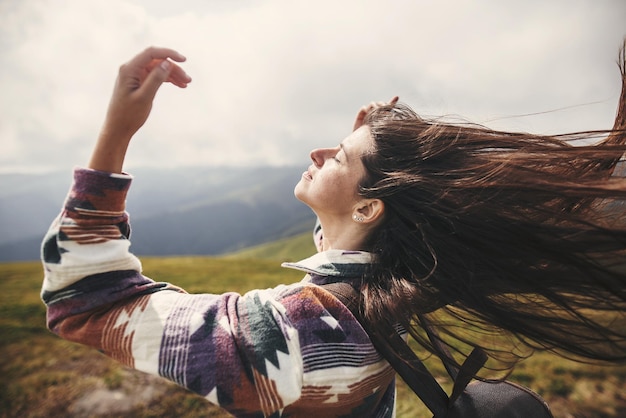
(330, 192)
(337, 192)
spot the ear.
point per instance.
(370, 210)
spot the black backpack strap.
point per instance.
(403, 359)
(434, 338)
(473, 363)
(461, 376)
(482, 398)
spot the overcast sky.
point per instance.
(273, 79)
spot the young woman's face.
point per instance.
(330, 185)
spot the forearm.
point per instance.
(109, 152)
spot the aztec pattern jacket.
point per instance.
(291, 351)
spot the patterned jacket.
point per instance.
(290, 351)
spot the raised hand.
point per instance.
(360, 116)
(135, 88)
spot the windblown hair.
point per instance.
(490, 234)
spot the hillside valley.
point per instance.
(190, 211)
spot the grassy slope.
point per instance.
(287, 249)
(41, 375)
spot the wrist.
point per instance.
(109, 152)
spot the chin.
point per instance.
(300, 193)
(301, 198)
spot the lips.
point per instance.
(307, 174)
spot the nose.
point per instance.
(316, 157)
(319, 155)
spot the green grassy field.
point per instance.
(44, 376)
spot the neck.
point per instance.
(342, 236)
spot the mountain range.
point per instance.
(185, 211)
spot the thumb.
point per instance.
(157, 76)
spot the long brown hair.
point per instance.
(489, 233)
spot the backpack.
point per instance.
(470, 398)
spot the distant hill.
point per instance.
(286, 249)
(190, 211)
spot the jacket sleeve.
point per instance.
(240, 352)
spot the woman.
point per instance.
(431, 222)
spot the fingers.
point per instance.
(150, 58)
(155, 78)
(152, 67)
(148, 55)
(364, 110)
(178, 77)
(374, 105)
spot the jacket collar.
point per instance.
(334, 263)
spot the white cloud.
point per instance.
(275, 78)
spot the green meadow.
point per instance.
(44, 376)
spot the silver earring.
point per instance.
(357, 218)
